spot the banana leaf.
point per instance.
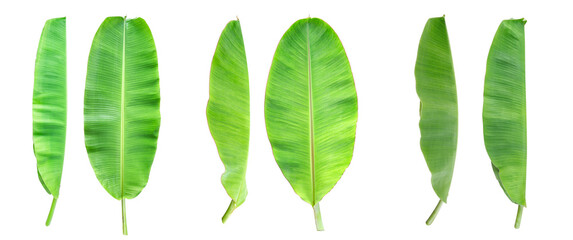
(228, 112)
(49, 109)
(504, 115)
(436, 88)
(311, 110)
(121, 107)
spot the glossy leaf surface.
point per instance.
(50, 107)
(121, 106)
(228, 111)
(436, 88)
(504, 110)
(311, 109)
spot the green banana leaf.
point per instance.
(49, 109)
(311, 110)
(504, 115)
(228, 111)
(121, 107)
(436, 88)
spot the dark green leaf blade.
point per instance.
(436, 88)
(228, 111)
(504, 111)
(121, 106)
(142, 98)
(311, 109)
(50, 107)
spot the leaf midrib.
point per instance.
(311, 123)
(122, 118)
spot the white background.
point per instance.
(386, 191)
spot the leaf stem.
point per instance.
(123, 216)
(51, 214)
(317, 217)
(518, 217)
(434, 213)
(230, 210)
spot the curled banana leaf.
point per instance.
(504, 111)
(50, 108)
(436, 88)
(228, 112)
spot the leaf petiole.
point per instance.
(434, 213)
(518, 217)
(230, 210)
(317, 217)
(51, 214)
(123, 216)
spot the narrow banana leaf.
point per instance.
(228, 111)
(504, 115)
(311, 110)
(436, 88)
(121, 107)
(49, 109)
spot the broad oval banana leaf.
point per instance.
(504, 111)
(49, 110)
(436, 88)
(228, 111)
(121, 107)
(311, 110)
